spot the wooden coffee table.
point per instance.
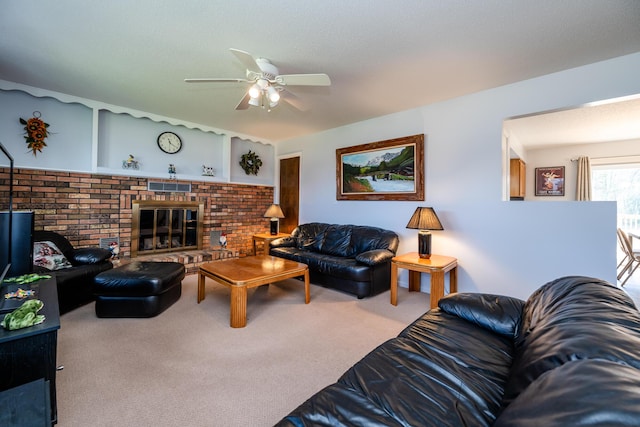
(240, 274)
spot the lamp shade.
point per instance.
(425, 219)
(274, 211)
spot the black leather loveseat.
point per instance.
(74, 279)
(568, 356)
(352, 258)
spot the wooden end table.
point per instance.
(437, 266)
(240, 274)
(265, 238)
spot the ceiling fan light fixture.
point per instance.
(274, 96)
(255, 91)
(265, 82)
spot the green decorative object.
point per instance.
(250, 163)
(24, 316)
(27, 278)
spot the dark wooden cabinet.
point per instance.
(29, 354)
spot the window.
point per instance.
(619, 182)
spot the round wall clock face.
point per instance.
(169, 142)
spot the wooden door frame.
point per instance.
(276, 195)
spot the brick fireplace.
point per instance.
(87, 207)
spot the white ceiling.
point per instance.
(605, 121)
(382, 56)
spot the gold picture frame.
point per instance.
(392, 169)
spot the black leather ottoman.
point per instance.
(138, 289)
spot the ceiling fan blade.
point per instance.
(293, 100)
(216, 80)
(244, 102)
(248, 60)
(303, 80)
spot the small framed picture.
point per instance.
(550, 181)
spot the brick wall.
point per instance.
(85, 207)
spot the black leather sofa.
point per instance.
(352, 258)
(75, 283)
(568, 356)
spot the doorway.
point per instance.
(289, 193)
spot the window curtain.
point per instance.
(583, 189)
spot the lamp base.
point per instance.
(273, 227)
(424, 244)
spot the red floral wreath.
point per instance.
(35, 132)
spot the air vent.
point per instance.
(169, 187)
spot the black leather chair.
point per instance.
(75, 283)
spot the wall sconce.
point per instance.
(274, 212)
(424, 219)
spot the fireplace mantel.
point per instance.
(159, 226)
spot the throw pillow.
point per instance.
(47, 255)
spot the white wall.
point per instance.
(562, 155)
(88, 136)
(502, 247)
(69, 132)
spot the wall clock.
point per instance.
(169, 142)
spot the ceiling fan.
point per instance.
(267, 85)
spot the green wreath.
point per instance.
(251, 163)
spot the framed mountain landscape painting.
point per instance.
(384, 170)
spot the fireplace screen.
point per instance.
(165, 226)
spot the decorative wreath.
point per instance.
(35, 132)
(251, 163)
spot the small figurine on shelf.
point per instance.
(115, 250)
(172, 171)
(130, 163)
(223, 240)
(208, 171)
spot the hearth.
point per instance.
(159, 226)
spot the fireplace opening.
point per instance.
(165, 226)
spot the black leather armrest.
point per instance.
(85, 256)
(282, 242)
(497, 313)
(376, 256)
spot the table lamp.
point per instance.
(274, 212)
(424, 219)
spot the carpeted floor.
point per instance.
(187, 367)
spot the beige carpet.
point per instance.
(187, 367)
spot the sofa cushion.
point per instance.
(364, 238)
(578, 393)
(375, 256)
(82, 274)
(46, 254)
(498, 313)
(346, 268)
(338, 405)
(309, 236)
(337, 241)
(83, 256)
(561, 323)
(439, 371)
